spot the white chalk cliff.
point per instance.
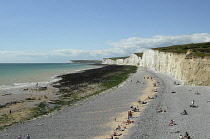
(190, 70)
(132, 60)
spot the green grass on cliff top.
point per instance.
(115, 58)
(199, 49)
(139, 54)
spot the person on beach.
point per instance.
(172, 123)
(186, 135)
(144, 102)
(118, 127)
(193, 104)
(129, 114)
(189, 137)
(19, 137)
(129, 121)
(184, 112)
(180, 137)
(197, 93)
(117, 134)
(150, 97)
(160, 110)
(135, 110)
(28, 136)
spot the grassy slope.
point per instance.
(199, 49)
(115, 58)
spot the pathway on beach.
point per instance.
(85, 120)
(89, 118)
(154, 125)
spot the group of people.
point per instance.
(130, 115)
(186, 136)
(27, 137)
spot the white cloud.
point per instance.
(160, 41)
(124, 47)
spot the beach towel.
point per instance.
(132, 117)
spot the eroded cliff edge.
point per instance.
(190, 70)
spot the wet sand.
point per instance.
(18, 102)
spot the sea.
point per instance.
(19, 75)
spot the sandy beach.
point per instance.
(98, 116)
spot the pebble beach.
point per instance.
(96, 117)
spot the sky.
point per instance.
(56, 31)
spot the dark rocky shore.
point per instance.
(81, 83)
(90, 76)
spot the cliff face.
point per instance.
(192, 71)
(132, 60)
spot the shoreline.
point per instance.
(18, 87)
(94, 116)
(17, 104)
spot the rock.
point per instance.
(6, 93)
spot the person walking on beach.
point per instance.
(28, 136)
(186, 135)
(193, 102)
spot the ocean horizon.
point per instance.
(18, 75)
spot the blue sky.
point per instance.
(63, 30)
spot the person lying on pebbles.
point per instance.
(144, 102)
(128, 122)
(119, 128)
(135, 109)
(172, 123)
(184, 113)
(160, 110)
(197, 93)
(150, 97)
(117, 134)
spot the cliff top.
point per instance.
(139, 54)
(86, 61)
(115, 58)
(198, 49)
